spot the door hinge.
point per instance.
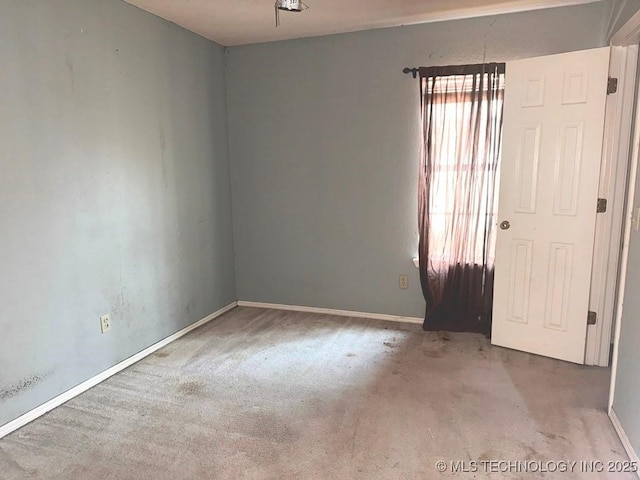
(602, 205)
(612, 85)
(591, 318)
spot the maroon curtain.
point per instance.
(460, 152)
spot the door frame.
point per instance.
(612, 186)
(628, 35)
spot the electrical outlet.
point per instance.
(105, 323)
(404, 281)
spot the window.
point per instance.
(463, 176)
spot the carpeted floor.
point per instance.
(265, 394)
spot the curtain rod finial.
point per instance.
(412, 71)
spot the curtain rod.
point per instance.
(455, 69)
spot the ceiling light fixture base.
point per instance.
(288, 6)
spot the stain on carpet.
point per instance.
(391, 343)
(444, 336)
(191, 388)
(551, 436)
(263, 425)
(432, 353)
(13, 465)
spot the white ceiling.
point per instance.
(239, 22)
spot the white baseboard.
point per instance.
(626, 443)
(331, 311)
(31, 415)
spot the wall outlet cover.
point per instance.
(105, 323)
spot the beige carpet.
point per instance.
(264, 394)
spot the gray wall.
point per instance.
(627, 390)
(114, 190)
(619, 12)
(324, 151)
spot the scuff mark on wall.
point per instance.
(24, 384)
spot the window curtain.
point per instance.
(461, 111)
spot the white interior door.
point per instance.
(553, 128)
